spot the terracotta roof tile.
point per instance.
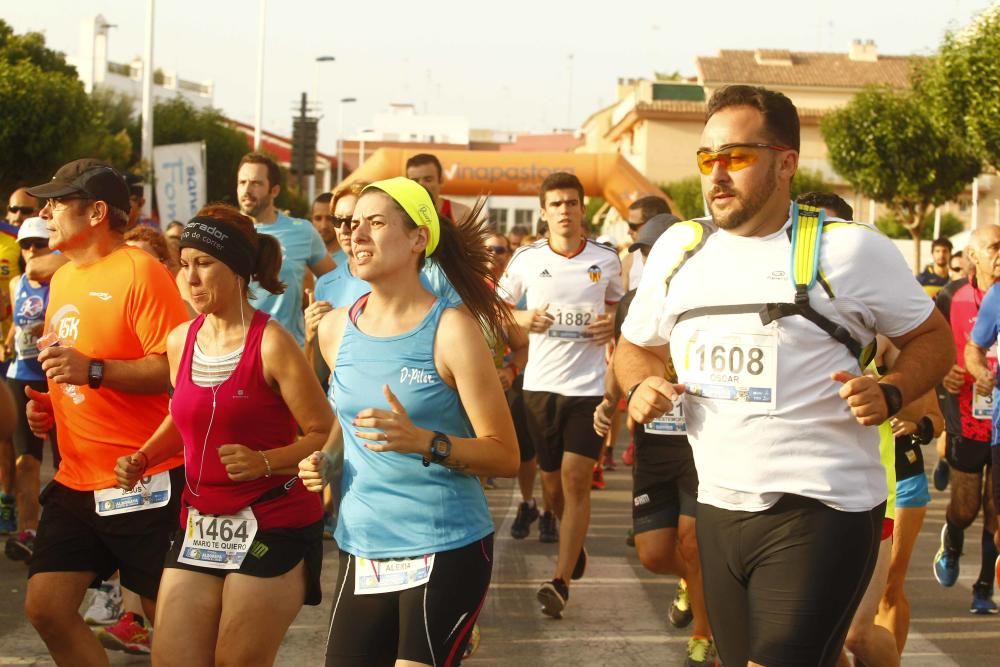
(832, 70)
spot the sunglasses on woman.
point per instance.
(733, 157)
(497, 249)
(34, 244)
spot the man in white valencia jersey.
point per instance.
(570, 282)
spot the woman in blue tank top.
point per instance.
(422, 414)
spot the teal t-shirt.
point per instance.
(301, 246)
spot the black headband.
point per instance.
(221, 240)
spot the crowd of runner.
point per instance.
(220, 397)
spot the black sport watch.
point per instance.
(95, 373)
(440, 449)
(893, 398)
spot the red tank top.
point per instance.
(446, 209)
(247, 412)
(963, 312)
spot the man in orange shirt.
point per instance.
(110, 310)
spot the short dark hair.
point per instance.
(650, 206)
(421, 159)
(519, 229)
(273, 172)
(781, 118)
(942, 242)
(560, 180)
(324, 198)
(828, 200)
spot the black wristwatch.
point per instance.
(440, 449)
(628, 394)
(95, 373)
(925, 431)
(893, 399)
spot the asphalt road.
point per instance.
(617, 612)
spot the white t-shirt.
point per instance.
(769, 419)
(635, 272)
(576, 288)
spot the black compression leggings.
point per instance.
(782, 585)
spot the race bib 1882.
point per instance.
(571, 322)
(737, 367)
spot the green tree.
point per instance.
(885, 144)
(890, 225)
(48, 120)
(809, 180)
(177, 121)
(688, 201)
(961, 84)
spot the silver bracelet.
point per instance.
(266, 462)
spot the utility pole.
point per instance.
(304, 137)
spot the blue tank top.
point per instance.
(29, 312)
(391, 505)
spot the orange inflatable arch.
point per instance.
(476, 173)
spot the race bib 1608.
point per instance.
(736, 367)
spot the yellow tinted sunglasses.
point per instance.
(733, 157)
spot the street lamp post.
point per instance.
(340, 136)
(259, 113)
(361, 148)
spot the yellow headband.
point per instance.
(417, 203)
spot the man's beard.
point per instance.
(255, 207)
(750, 203)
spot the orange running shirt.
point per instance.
(121, 307)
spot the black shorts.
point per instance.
(73, 538)
(909, 458)
(966, 455)
(664, 481)
(561, 424)
(26, 442)
(283, 549)
(515, 400)
(995, 453)
(782, 585)
(431, 623)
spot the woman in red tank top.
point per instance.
(249, 549)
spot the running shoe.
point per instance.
(329, 525)
(553, 595)
(597, 481)
(680, 611)
(946, 562)
(106, 605)
(629, 456)
(630, 537)
(473, 644)
(548, 531)
(527, 514)
(700, 653)
(941, 473)
(21, 546)
(982, 599)
(8, 515)
(129, 634)
(581, 565)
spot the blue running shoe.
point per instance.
(982, 599)
(8, 515)
(946, 563)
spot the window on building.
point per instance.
(498, 218)
(524, 216)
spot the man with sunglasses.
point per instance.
(21, 206)
(104, 356)
(639, 213)
(781, 419)
(325, 223)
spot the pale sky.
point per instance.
(503, 65)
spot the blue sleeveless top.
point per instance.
(29, 311)
(392, 506)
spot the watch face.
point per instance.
(440, 447)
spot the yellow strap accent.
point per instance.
(807, 232)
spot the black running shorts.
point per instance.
(430, 624)
(782, 585)
(561, 424)
(73, 538)
(27, 443)
(966, 455)
(664, 481)
(515, 399)
(285, 548)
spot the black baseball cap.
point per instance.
(96, 179)
(652, 230)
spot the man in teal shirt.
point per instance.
(257, 185)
